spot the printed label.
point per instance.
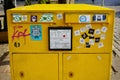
(104, 29)
(36, 32)
(91, 42)
(100, 45)
(103, 36)
(84, 18)
(97, 31)
(16, 18)
(24, 17)
(46, 18)
(77, 33)
(33, 18)
(88, 26)
(82, 41)
(59, 16)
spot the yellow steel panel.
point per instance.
(35, 66)
(60, 7)
(86, 66)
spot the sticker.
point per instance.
(104, 29)
(87, 45)
(91, 31)
(103, 36)
(59, 16)
(88, 26)
(84, 36)
(46, 18)
(100, 45)
(36, 32)
(97, 31)
(77, 33)
(84, 18)
(91, 42)
(16, 44)
(99, 17)
(97, 40)
(16, 18)
(82, 41)
(24, 17)
(83, 29)
(33, 18)
(91, 37)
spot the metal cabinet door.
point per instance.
(86, 66)
(35, 66)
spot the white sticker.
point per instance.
(88, 26)
(83, 29)
(97, 31)
(103, 36)
(100, 45)
(24, 17)
(104, 29)
(82, 41)
(59, 16)
(48, 17)
(16, 18)
(77, 33)
(84, 18)
(91, 42)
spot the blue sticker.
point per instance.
(83, 18)
(36, 32)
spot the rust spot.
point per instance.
(70, 74)
(21, 74)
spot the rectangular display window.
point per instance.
(60, 38)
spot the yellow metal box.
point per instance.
(60, 42)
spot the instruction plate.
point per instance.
(60, 38)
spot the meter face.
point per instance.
(60, 38)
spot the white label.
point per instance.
(82, 41)
(91, 42)
(83, 29)
(97, 31)
(77, 33)
(103, 36)
(104, 29)
(100, 45)
(60, 39)
(59, 16)
(24, 17)
(16, 18)
(46, 18)
(88, 26)
(84, 18)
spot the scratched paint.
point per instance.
(17, 33)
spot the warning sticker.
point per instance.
(46, 17)
(36, 32)
(84, 18)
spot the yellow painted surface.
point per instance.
(32, 59)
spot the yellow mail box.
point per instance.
(60, 42)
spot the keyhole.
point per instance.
(71, 74)
(21, 74)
